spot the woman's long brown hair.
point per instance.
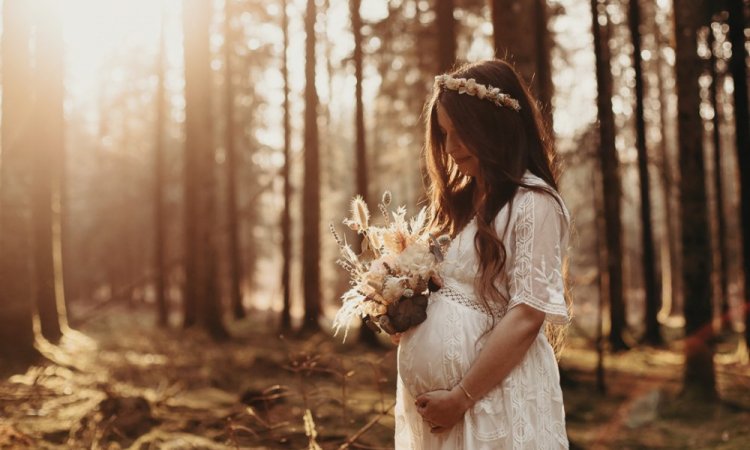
(506, 143)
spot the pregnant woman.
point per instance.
(481, 371)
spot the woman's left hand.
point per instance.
(442, 409)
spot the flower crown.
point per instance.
(482, 91)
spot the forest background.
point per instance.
(168, 171)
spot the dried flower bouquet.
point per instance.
(395, 272)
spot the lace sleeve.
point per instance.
(539, 239)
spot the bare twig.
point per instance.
(365, 428)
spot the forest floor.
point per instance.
(120, 382)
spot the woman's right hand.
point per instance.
(396, 338)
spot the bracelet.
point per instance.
(466, 393)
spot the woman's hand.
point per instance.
(442, 409)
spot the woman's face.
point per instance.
(467, 163)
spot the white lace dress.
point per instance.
(526, 410)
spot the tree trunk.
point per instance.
(286, 238)
(611, 188)
(722, 295)
(602, 283)
(311, 193)
(235, 260)
(522, 37)
(160, 270)
(446, 35)
(201, 248)
(191, 183)
(48, 143)
(671, 285)
(366, 335)
(16, 287)
(738, 68)
(652, 297)
(696, 245)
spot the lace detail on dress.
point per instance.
(454, 295)
(535, 273)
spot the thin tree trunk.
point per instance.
(738, 68)
(195, 138)
(160, 269)
(543, 53)
(16, 292)
(446, 35)
(610, 179)
(699, 366)
(521, 37)
(366, 335)
(671, 280)
(653, 331)
(235, 259)
(602, 281)
(721, 225)
(286, 238)
(311, 194)
(48, 110)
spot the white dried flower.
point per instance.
(481, 91)
(360, 212)
(392, 289)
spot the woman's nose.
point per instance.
(450, 147)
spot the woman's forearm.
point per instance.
(506, 346)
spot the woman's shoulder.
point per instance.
(540, 194)
(537, 200)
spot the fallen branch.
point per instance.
(365, 428)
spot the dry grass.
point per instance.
(126, 384)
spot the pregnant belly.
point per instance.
(437, 353)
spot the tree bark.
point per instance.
(721, 226)
(286, 238)
(611, 188)
(311, 193)
(446, 35)
(651, 288)
(603, 284)
(521, 36)
(48, 146)
(699, 376)
(366, 335)
(16, 293)
(195, 138)
(160, 269)
(671, 285)
(738, 68)
(201, 247)
(235, 259)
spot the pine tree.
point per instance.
(696, 245)
(16, 293)
(610, 179)
(286, 238)
(200, 199)
(48, 149)
(311, 193)
(653, 303)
